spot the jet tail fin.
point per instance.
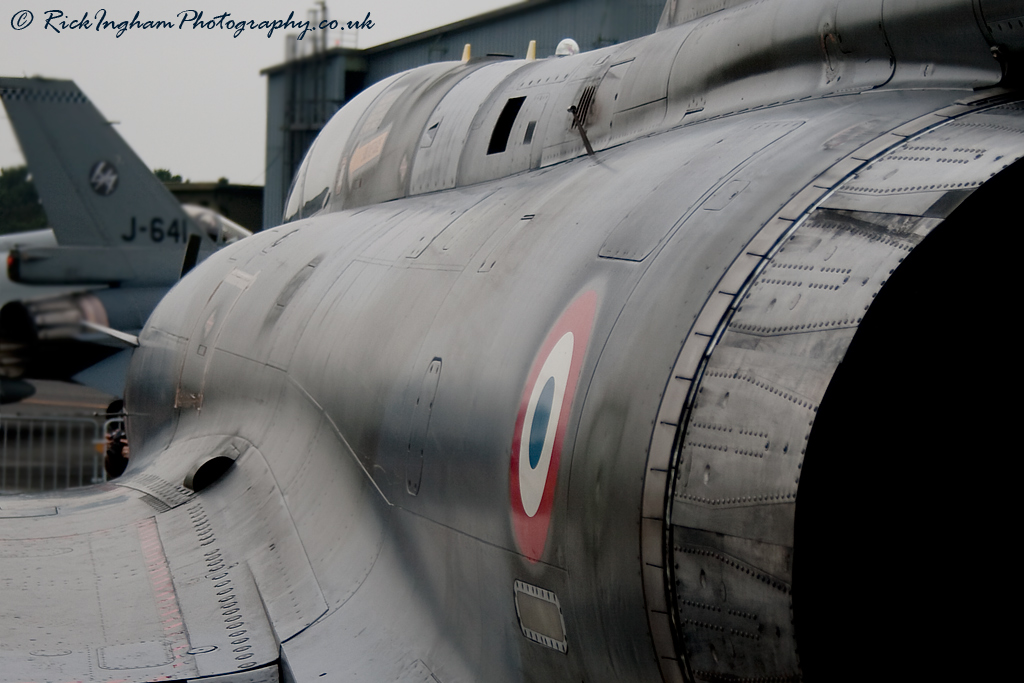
(95, 189)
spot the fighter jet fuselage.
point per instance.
(492, 408)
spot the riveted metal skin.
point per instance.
(669, 314)
(746, 423)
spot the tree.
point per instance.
(20, 209)
(165, 176)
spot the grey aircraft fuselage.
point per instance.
(490, 408)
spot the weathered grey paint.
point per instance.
(763, 232)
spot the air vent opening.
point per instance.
(503, 127)
(586, 101)
(528, 136)
(207, 471)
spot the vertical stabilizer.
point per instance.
(95, 189)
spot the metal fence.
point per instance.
(50, 453)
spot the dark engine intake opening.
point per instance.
(901, 491)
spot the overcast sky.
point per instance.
(188, 100)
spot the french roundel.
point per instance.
(541, 423)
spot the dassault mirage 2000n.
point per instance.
(698, 406)
(117, 242)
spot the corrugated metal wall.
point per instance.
(591, 23)
(276, 173)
